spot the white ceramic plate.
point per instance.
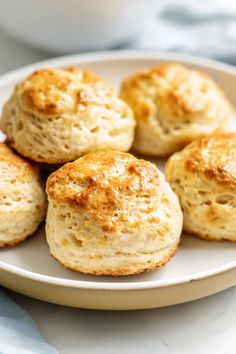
(200, 268)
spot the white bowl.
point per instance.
(72, 25)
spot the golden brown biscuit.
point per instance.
(203, 175)
(22, 198)
(174, 105)
(56, 115)
(111, 213)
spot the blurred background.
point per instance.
(31, 30)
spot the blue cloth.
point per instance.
(201, 27)
(18, 332)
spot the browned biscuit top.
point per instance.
(50, 92)
(103, 183)
(12, 165)
(179, 92)
(215, 157)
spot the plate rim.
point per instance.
(102, 56)
(119, 55)
(151, 284)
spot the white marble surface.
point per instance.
(201, 327)
(204, 326)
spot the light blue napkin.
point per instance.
(18, 332)
(202, 27)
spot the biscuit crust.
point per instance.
(145, 263)
(22, 198)
(57, 115)
(111, 213)
(174, 105)
(48, 92)
(103, 189)
(203, 175)
(215, 158)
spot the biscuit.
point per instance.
(174, 105)
(56, 115)
(22, 198)
(112, 214)
(203, 175)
